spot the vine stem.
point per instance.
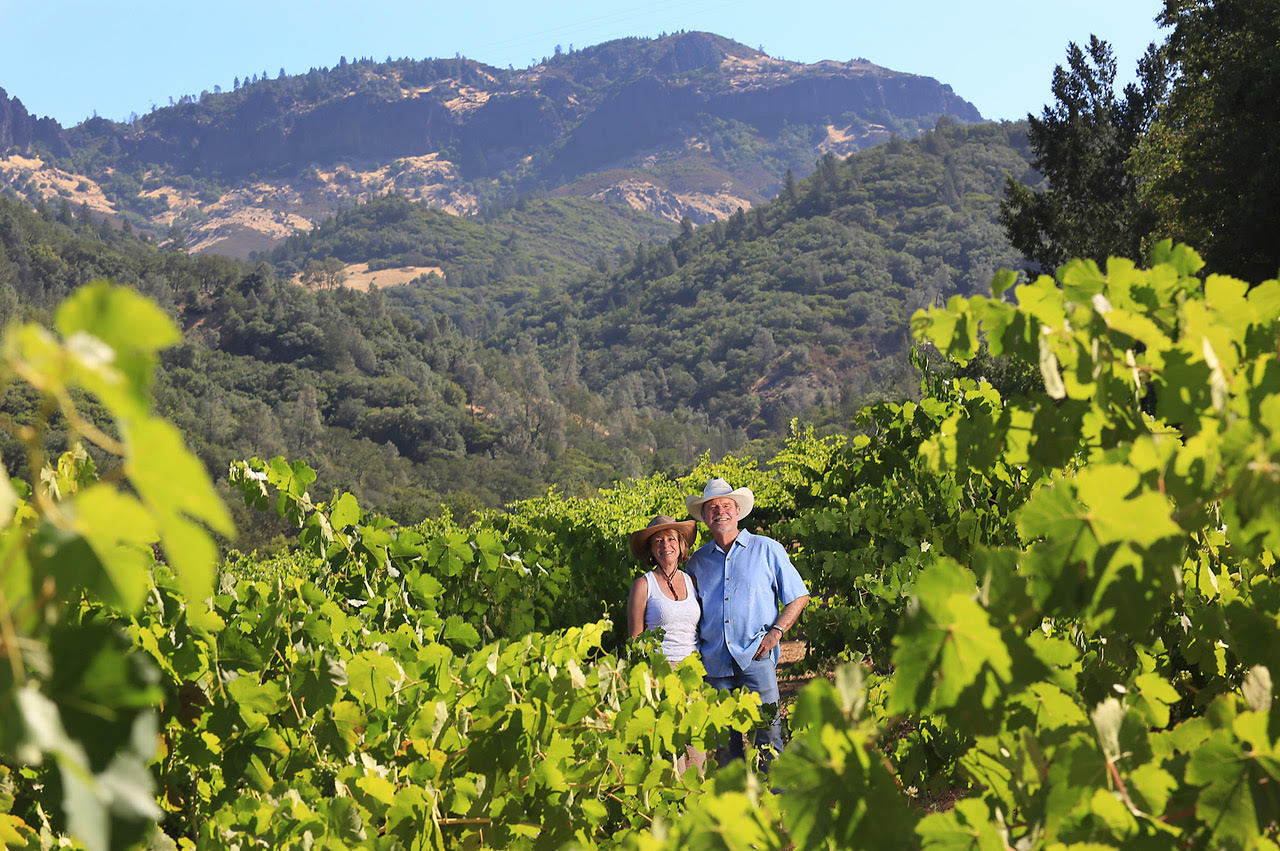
(1178, 816)
(631, 807)
(1124, 792)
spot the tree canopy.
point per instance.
(1083, 143)
(1187, 152)
(1210, 167)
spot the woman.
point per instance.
(664, 596)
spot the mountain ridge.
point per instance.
(691, 124)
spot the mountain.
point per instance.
(740, 324)
(690, 124)
(540, 352)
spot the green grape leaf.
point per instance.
(378, 788)
(264, 698)
(967, 827)
(113, 333)
(1081, 280)
(1154, 697)
(371, 678)
(1001, 281)
(345, 819)
(344, 512)
(120, 531)
(1151, 787)
(118, 316)
(1053, 706)
(173, 485)
(1114, 515)
(460, 633)
(1108, 808)
(1228, 778)
(947, 645)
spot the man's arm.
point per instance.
(786, 619)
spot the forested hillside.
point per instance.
(484, 265)
(388, 404)
(741, 324)
(803, 300)
(564, 341)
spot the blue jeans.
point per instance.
(760, 677)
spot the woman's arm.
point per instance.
(636, 602)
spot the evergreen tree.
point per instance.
(1211, 164)
(1082, 144)
(789, 191)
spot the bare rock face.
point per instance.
(19, 129)
(687, 125)
(700, 207)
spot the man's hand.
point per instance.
(772, 638)
(786, 619)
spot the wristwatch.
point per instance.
(778, 628)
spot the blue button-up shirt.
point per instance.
(740, 591)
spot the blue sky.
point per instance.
(70, 58)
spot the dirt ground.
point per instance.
(360, 278)
(789, 684)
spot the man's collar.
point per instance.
(742, 538)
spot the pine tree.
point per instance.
(1082, 145)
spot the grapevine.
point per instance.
(1058, 607)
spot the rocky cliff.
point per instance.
(19, 129)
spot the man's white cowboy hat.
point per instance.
(715, 489)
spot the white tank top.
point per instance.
(678, 618)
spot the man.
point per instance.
(741, 581)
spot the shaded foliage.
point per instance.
(1083, 143)
(1212, 162)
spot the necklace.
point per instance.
(668, 577)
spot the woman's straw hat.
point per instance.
(661, 523)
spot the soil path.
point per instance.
(788, 683)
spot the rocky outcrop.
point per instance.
(807, 99)
(639, 116)
(19, 129)
(652, 111)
